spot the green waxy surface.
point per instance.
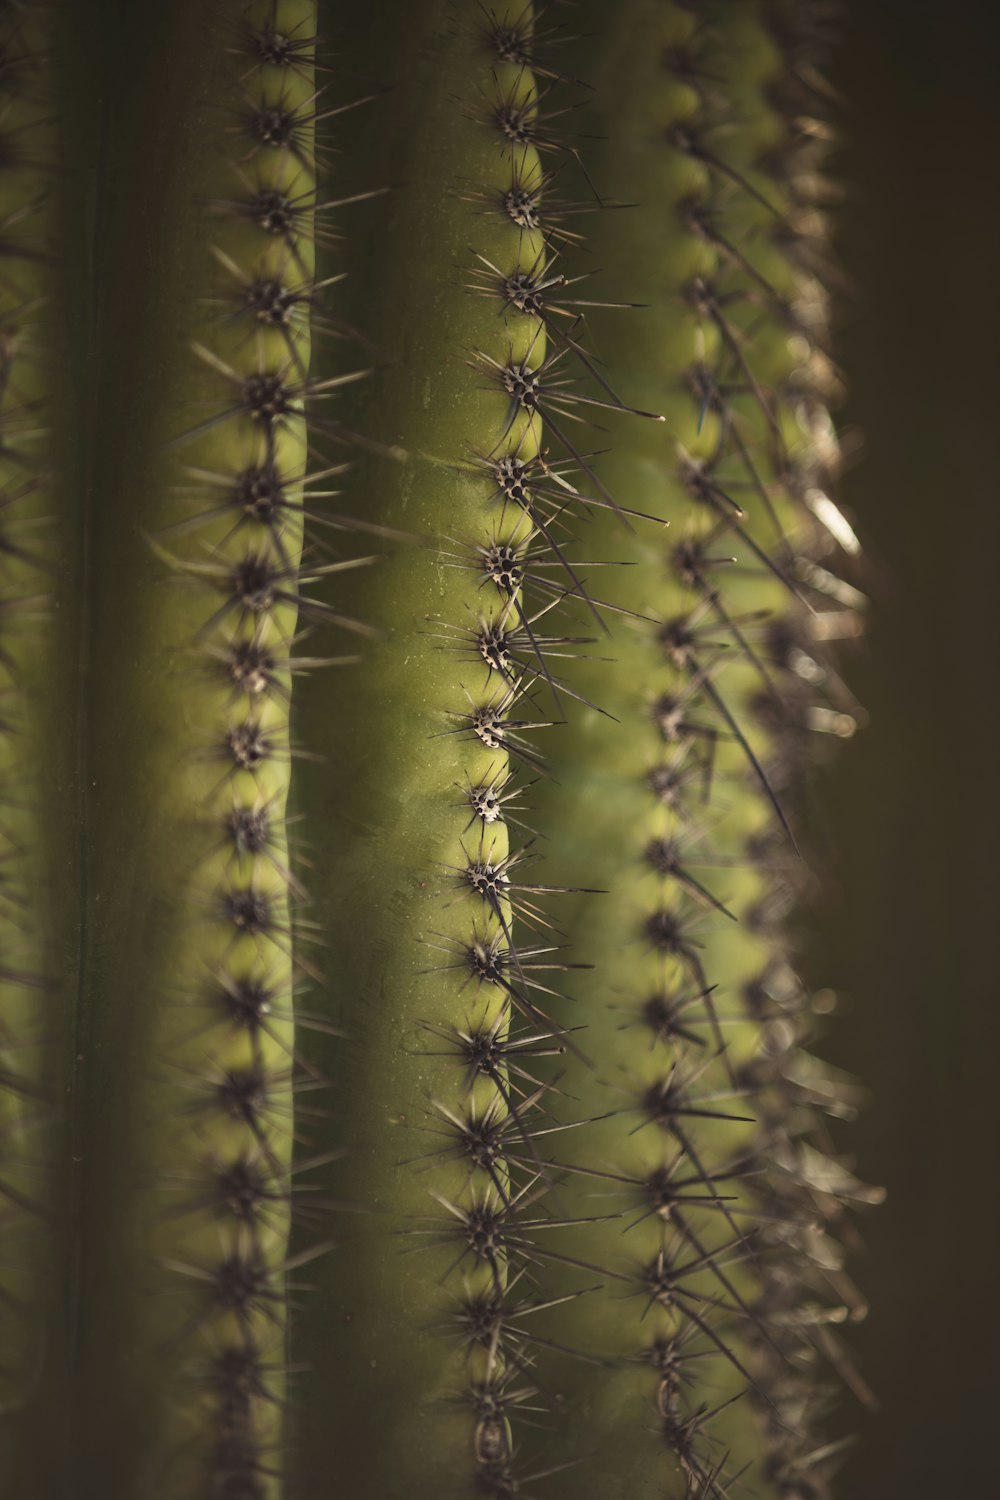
(652, 1431)
(386, 1338)
(328, 1144)
(179, 1203)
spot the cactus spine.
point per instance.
(367, 1178)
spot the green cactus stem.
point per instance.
(691, 1005)
(422, 745)
(192, 492)
(410, 637)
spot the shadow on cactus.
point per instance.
(419, 575)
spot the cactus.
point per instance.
(404, 1084)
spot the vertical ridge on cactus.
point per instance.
(438, 969)
(28, 1050)
(695, 1018)
(421, 628)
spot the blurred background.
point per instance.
(910, 936)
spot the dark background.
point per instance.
(910, 934)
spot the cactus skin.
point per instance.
(582, 817)
(386, 1082)
(190, 868)
(29, 770)
(402, 916)
(182, 1203)
(689, 1348)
